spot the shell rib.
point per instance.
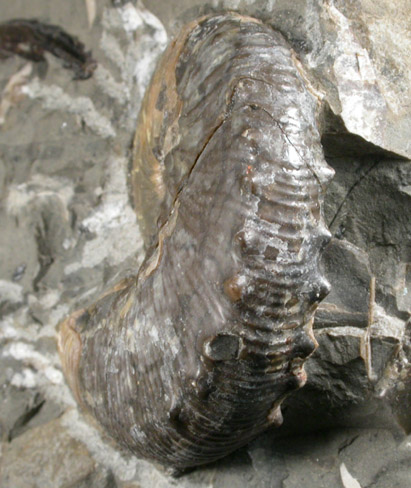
(192, 358)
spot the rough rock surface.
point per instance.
(68, 231)
(49, 455)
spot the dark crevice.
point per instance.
(44, 253)
(351, 189)
(348, 443)
(24, 419)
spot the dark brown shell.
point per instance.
(192, 358)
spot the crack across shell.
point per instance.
(192, 358)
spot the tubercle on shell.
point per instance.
(192, 358)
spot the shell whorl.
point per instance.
(192, 358)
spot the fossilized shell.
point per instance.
(192, 358)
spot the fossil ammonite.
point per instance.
(192, 358)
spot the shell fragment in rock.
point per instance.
(192, 358)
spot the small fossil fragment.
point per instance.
(12, 92)
(192, 358)
(30, 39)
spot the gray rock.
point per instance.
(11, 296)
(366, 206)
(17, 407)
(48, 457)
(348, 271)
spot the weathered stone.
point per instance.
(366, 207)
(348, 271)
(11, 296)
(372, 457)
(45, 456)
(403, 287)
(17, 407)
(353, 378)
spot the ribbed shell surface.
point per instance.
(192, 358)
